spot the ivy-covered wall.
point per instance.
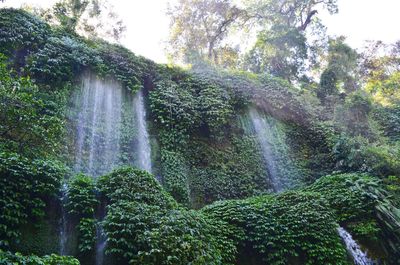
(145, 225)
(197, 119)
(202, 154)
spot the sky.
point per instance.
(147, 24)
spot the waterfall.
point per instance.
(101, 243)
(108, 127)
(143, 142)
(98, 106)
(281, 167)
(63, 222)
(359, 257)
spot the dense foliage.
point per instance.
(27, 187)
(131, 184)
(20, 34)
(80, 203)
(18, 258)
(293, 227)
(361, 203)
(198, 116)
(81, 196)
(140, 213)
(30, 121)
(300, 226)
(389, 117)
(205, 148)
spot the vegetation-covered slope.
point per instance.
(202, 150)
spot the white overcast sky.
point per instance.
(147, 24)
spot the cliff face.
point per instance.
(72, 106)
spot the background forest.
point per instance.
(263, 141)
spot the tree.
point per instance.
(380, 67)
(379, 60)
(297, 14)
(327, 84)
(91, 18)
(282, 48)
(203, 29)
(341, 69)
(279, 51)
(199, 27)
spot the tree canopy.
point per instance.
(92, 18)
(219, 31)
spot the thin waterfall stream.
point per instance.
(281, 168)
(143, 140)
(63, 222)
(101, 243)
(263, 131)
(359, 257)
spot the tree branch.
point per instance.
(308, 20)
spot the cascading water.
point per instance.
(359, 257)
(101, 243)
(97, 126)
(63, 222)
(108, 129)
(143, 141)
(282, 170)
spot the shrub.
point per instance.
(144, 225)
(122, 64)
(347, 195)
(21, 33)
(358, 154)
(134, 185)
(81, 198)
(61, 59)
(126, 225)
(27, 122)
(175, 172)
(27, 185)
(186, 237)
(87, 234)
(293, 227)
(53, 259)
